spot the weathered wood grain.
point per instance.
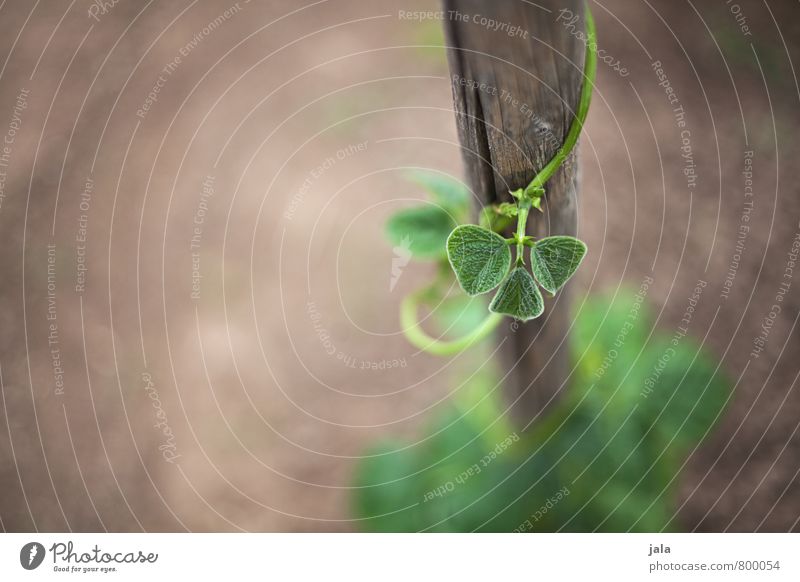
(515, 91)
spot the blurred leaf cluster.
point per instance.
(607, 457)
(427, 226)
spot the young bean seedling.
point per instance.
(479, 255)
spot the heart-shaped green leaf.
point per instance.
(555, 259)
(422, 231)
(518, 296)
(479, 257)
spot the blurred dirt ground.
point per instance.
(198, 330)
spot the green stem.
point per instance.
(589, 74)
(418, 338)
(522, 219)
(537, 184)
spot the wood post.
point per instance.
(517, 70)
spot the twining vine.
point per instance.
(479, 255)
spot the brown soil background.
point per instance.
(268, 425)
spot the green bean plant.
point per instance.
(479, 255)
(607, 455)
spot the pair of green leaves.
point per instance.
(481, 260)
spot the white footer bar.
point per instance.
(401, 557)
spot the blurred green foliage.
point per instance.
(607, 457)
(424, 228)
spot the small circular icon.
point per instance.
(31, 555)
